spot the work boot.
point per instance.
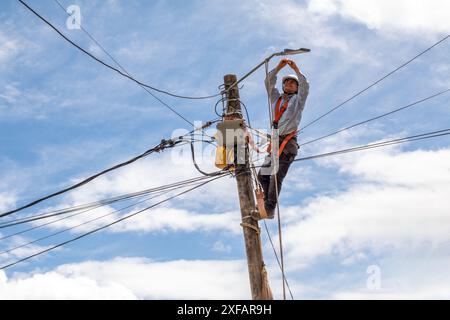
(270, 212)
(261, 212)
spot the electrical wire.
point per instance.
(124, 70)
(108, 65)
(89, 207)
(276, 256)
(418, 137)
(401, 140)
(213, 174)
(89, 221)
(423, 136)
(377, 117)
(224, 99)
(121, 67)
(8, 265)
(215, 107)
(246, 112)
(163, 145)
(376, 82)
(75, 226)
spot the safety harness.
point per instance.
(278, 114)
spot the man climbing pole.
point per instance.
(287, 109)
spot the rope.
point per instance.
(258, 184)
(248, 225)
(269, 99)
(266, 291)
(276, 256)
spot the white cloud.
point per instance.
(397, 201)
(53, 285)
(406, 277)
(441, 70)
(400, 15)
(294, 23)
(18, 251)
(139, 51)
(132, 278)
(157, 170)
(170, 219)
(8, 48)
(218, 198)
(158, 219)
(7, 200)
(219, 246)
(23, 103)
(392, 211)
(10, 94)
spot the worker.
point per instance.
(287, 109)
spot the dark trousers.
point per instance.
(268, 181)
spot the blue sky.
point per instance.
(64, 117)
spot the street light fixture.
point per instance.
(285, 52)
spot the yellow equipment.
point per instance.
(230, 134)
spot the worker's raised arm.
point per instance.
(271, 81)
(303, 85)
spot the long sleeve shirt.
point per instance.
(291, 118)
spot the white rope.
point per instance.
(269, 98)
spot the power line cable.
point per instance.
(423, 136)
(163, 145)
(213, 174)
(93, 204)
(376, 118)
(276, 256)
(87, 222)
(73, 227)
(108, 65)
(104, 226)
(376, 82)
(123, 68)
(64, 211)
(374, 145)
(87, 208)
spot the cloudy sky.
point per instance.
(372, 224)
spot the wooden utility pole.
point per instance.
(258, 277)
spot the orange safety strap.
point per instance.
(278, 114)
(286, 140)
(284, 143)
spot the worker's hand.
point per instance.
(293, 65)
(282, 64)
